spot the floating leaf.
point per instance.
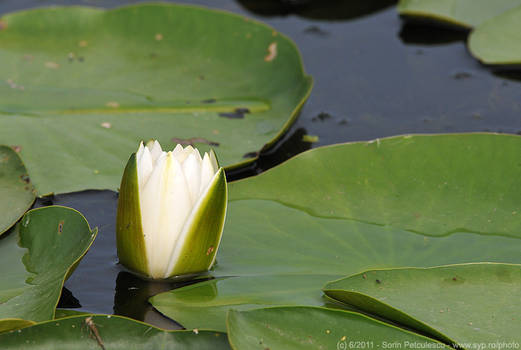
(110, 332)
(408, 201)
(317, 328)
(215, 297)
(16, 190)
(460, 304)
(497, 40)
(36, 255)
(464, 13)
(115, 77)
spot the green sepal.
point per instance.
(203, 234)
(129, 231)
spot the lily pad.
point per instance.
(408, 201)
(497, 40)
(110, 332)
(16, 191)
(215, 297)
(36, 255)
(464, 13)
(79, 106)
(461, 304)
(317, 328)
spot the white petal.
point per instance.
(178, 149)
(150, 203)
(181, 156)
(155, 150)
(192, 172)
(174, 206)
(196, 153)
(213, 159)
(207, 173)
(144, 166)
(139, 152)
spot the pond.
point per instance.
(375, 75)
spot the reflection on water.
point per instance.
(430, 34)
(131, 299)
(317, 9)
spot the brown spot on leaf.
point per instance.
(159, 37)
(52, 65)
(364, 276)
(25, 178)
(210, 250)
(83, 43)
(28, 57)
(272, 52)
(378, 281)
(193, 140)
(3, 24)
(106, 125)
(112, 104)
(60, 227)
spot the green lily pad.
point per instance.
(37, 254)
(317, 328)
(16, 191)
(408, 201)
(464, 13)
(497, 40)
(461, 304)
(215, 297)
(110, 332)
(175, 73)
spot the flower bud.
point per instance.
(171, 211)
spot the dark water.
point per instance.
(375, 76)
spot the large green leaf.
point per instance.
(497, 40)
(110, 332)
(461, 304)
(317, 328)
(339, 210)
(78, 106)
(465, 13)
(215, 297)
(35, 256)
(16, 190)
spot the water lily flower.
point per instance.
(171, 211)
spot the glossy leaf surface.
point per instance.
(35, 256)
(108, 332)
(460, 304)
(464, 13)
(16, 190)
(496, 41)
(180, 74)
(408, 201)
(316, 328)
